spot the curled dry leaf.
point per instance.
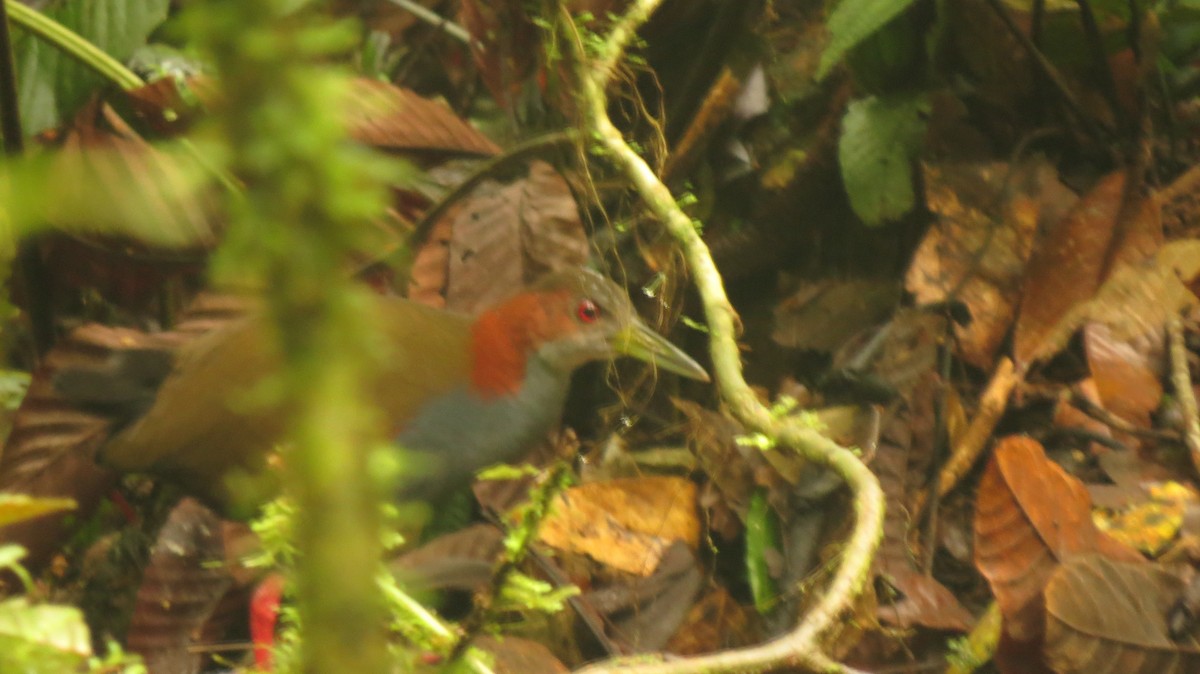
(987, 217)
(1101, 234)
(628, 524)
(1108, 616)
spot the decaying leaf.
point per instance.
(1108, 616)
(987, 217)
(182, 583)
(1030, 517)
(627, 524)
(1100, 235)
(505, 237)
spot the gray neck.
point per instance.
(462, 432)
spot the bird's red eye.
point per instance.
(587, 311)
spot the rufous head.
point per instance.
(567, 319)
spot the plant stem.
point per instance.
(72, 44)
(802, 646)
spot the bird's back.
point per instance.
(214, 413)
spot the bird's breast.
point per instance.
(465, 430)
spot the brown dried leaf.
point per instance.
(1127, 375)
(109, 180)
(1108, 616)
(1030, 516)
(182, 584)
(1095, 239)
(628, 524)
(825, 315)
(901, 464)
(715, 622)
(1136, 301)
(506, 237)
(390, 117)
(515, 655)
(988, 215)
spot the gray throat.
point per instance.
(463, 432)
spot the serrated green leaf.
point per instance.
(880, 138)
(52, 85)
(851, 22)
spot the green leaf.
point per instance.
(762, 541)
(852, 22)
(880, 139)
(51, 84)
(36, 638)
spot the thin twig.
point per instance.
(1080, 402)
(1048, 70)
(1181, 381)
(992, 404)
(434, 19)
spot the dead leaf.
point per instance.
(1127, 375)
(627, 524)
(825, 315)
(505, 237)
(1030, 517)
(182, 583)
(987, 217)
(1106, 616)
(386, 116)
(1094, 240)
(1136, 301)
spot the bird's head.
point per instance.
(567, 319)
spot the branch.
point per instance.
(801, 647)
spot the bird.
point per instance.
(457, 392)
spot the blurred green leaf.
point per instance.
(851, 22)
(880, 139)
(13, 385)
(52, 85)
(36, 638)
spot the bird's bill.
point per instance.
(641, 342)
